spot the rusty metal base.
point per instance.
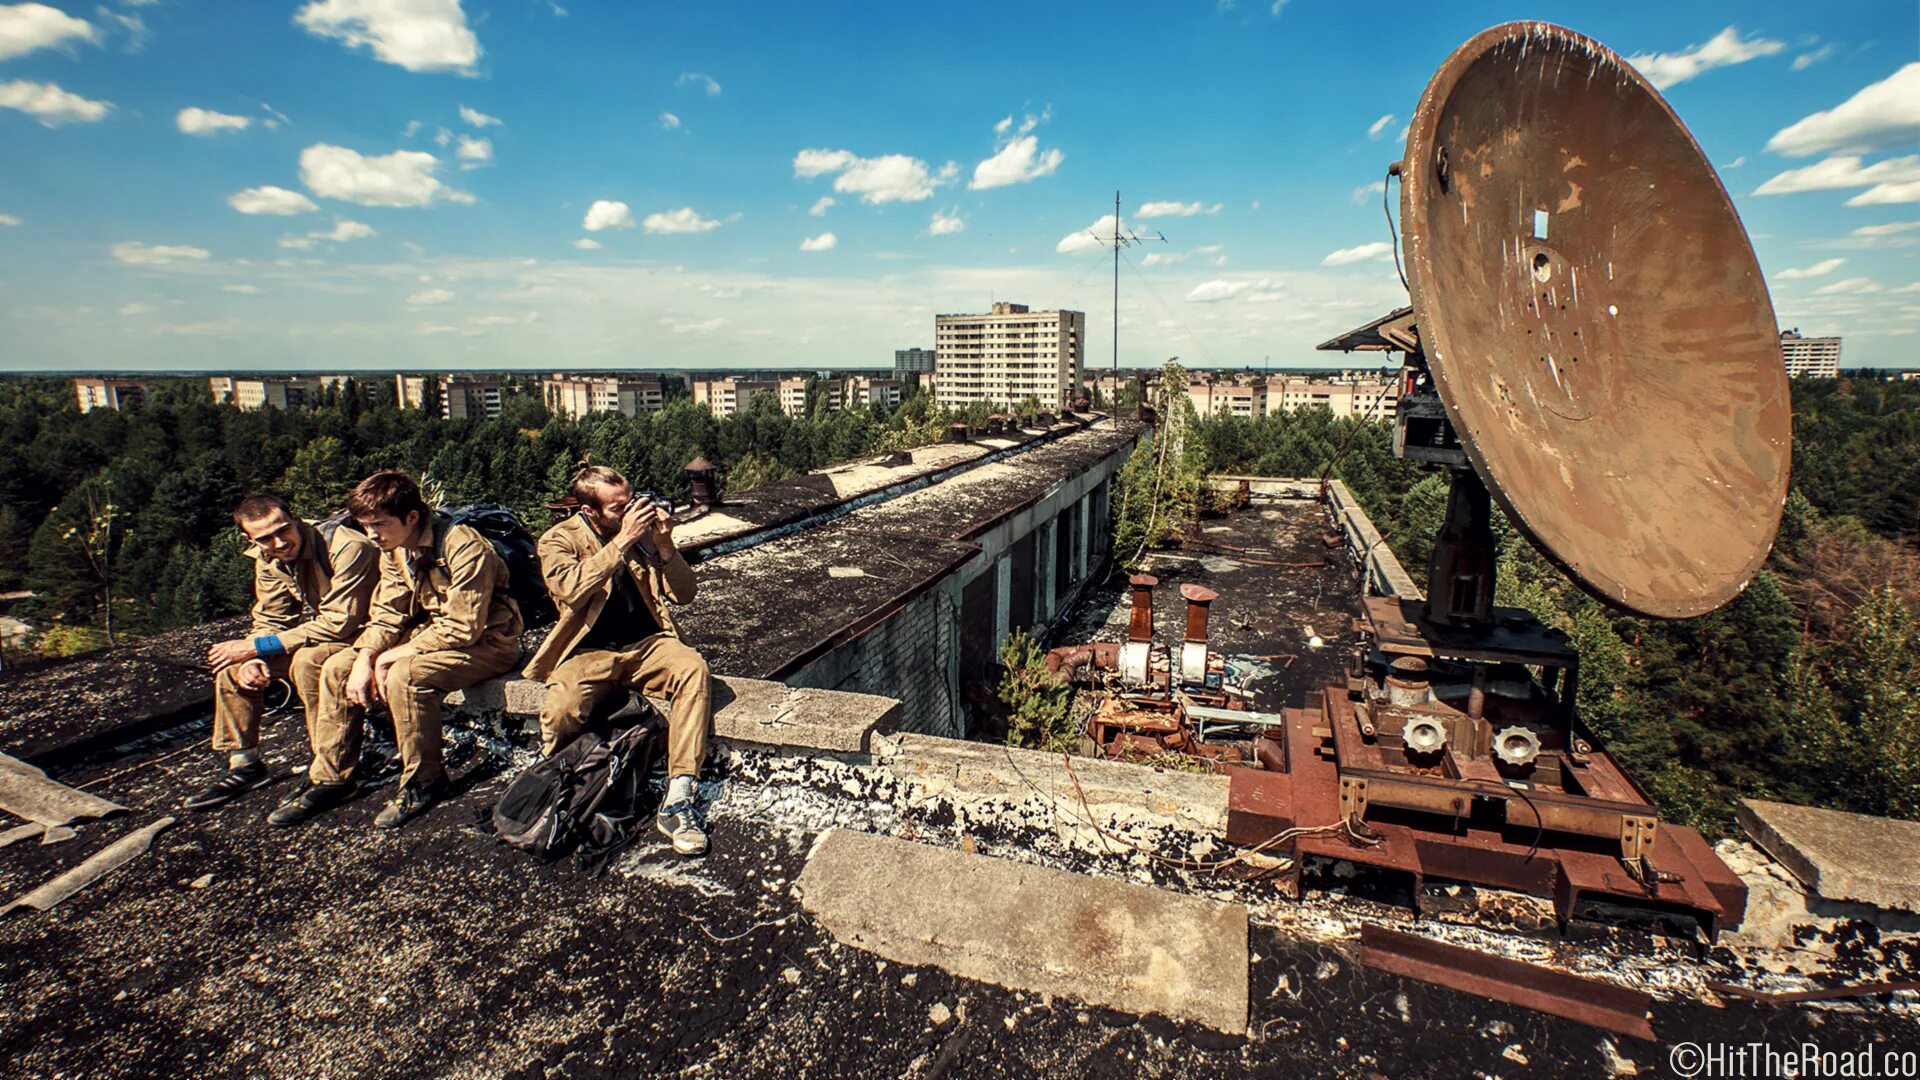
(1299, 785)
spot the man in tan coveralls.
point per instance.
(441, 621)
(297, 570)
(610, 569)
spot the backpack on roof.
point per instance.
(586, 796)
(517, 548)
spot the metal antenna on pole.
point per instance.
(1120, 241)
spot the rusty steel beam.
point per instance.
(1529, 986)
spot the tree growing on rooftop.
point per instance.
(1037, 701)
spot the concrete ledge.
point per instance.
(1115, 791)
(750, 711)
(1033, 928)
(1840, 856)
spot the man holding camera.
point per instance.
(610, 569)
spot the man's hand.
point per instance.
(637, 522)
(660, 522)
(362, 690)
(253, 675)
(228, 653)
(382, 664)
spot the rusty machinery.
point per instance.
(1590, 344)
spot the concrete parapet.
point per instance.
(1840, 856)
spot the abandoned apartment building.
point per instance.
(892, 890)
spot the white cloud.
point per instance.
(1849, 286)
(607, 214)
(1176, 209)
(705, 326)
(1379, 127)
(1088, 239)
(243, 290)
(51, 105)
(1823, 267)
(1807, 59)
(1736, 162)
(476, 118)
(26, 27)
(698, 81)
(275, 117)
(587, 243)
(276, 201)
(1885, 114)
(826, 241)
(683, 220)
(429, 296)
(821, 205)
(196, 121)
(200, 329)
(1379, 249)
(402, 178)
(1019, 157)
(135, 253)
(413, 128)
(946, 223)
(884, 179)
(9, 220)
(1365, 192)
(1723, 49)
(1894, 180)
(1210, 292)
(442, 137)
(669, 121)
(1168, 258)
(297, 243)
(473, 152)
(344, 230)
(1891, 228)
(136, 308)
(419, 35)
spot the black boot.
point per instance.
(313, 800)
(409, 803)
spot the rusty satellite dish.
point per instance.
(1595, 320)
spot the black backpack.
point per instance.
(585, 796)
(515, 544)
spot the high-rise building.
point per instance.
(109, 393)
(1365, 401)
(724, 397)
(862, 390)
(1818, 357)
(1008, 355)
(460, 399)
(249, 394)
(1228, 399)
(579, 397)
(793, 394)
(912, 362)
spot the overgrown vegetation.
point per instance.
(1157, 494)
(1803, 688)
(1037, 701)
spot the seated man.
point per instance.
(610, 569)
(441, 621)
(297, 571)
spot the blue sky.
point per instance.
(344, 184)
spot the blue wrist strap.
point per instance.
(268, 645)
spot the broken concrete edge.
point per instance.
(1840, 857)
(1137, 948)
(25, 792)
(98, 865)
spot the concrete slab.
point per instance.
(1840, 856)
(754, 711)
(1128, 947)
(1114, 791)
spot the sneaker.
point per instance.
(230, 785)
(678, 824)
(408, 803)
(313, 800)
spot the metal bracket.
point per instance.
(1353, 799)
(1636, 838)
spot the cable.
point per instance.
(1391, 231)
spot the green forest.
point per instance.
(1806, 688)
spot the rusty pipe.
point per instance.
(1140, 622)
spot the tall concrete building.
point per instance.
(109, 393)
(1818, 357)
(460, 399)
(724, 397)
(250, 394)
(912, 362)
(576, 398)
(1008, 355)
(1366, 401)
(1228, 399)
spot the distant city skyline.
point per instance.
(478, 185)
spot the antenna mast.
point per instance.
(1120, 241)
